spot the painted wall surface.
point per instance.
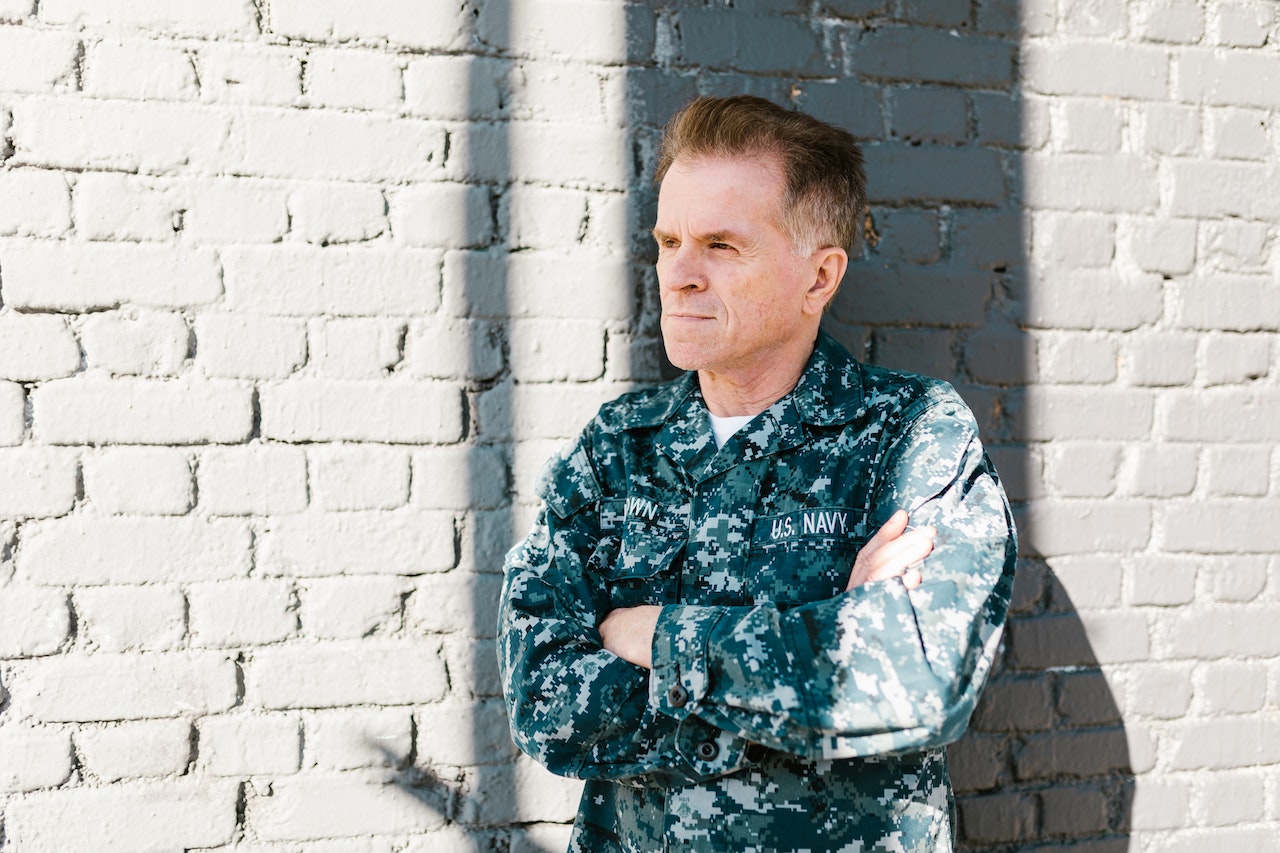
(296, 297)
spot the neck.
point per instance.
(750, 391)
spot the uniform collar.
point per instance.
(829, 393)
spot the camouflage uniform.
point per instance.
(782, 713)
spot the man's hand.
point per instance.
(628, 633)
(893, 551)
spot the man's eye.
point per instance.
(721, 246)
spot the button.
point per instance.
(708, 750)
(678, 696)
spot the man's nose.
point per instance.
(681, 269)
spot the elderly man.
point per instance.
(760, 599)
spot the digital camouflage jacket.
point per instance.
(782, 713)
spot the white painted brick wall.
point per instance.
(295, 298)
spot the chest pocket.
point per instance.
(804, 555)
(649, 541)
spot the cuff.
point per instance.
(679, 679)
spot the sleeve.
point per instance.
(573, 706)
(878, 669)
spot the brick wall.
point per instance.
(296, 297)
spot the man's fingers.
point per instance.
(888, 532)
(897, 556)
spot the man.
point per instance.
(759, 599)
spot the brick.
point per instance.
(1241, 840)
(1232, 800)
(1220, 414)
(34, 60)
(1239, 471)
(299, 809)
(139, 69)
(357, 477)
(233, 211)
(139, 480)
(348, 740)
(1092, 299)
(461, 733)
(1169, 128)
(135, 750)
(151, 137)
(448, 215)
(1235, 245)
(1236, 79)
(533, 284)
(574, 155)
(1048, 641)
(353, 410)
(847, 103)
(335, 281)
(978, 762)
(530, 216)
(1081, 526)
(1091, 182)
(1177, 21)
(1232, 359)
(1160, 580)
(85, 277)
(1161, 470)
(1084, 470)
(334, 674)
(33, 621)
(454, 348)
(1156, 359)
(351, 608)
(529, 410)
(556, 350)
(1074, 240)
(96, 410)
(1046, 413)
(221, 18)
(518, 792)
(1221, 526)
(1229, 687)
(357, 147)
(85, 550)
(34, 759)
(1216, 189)
(909, 235)
(1096, 68)
(248, 612)
(249, 346)
(114, 206)
(352, 79)
(231, 73)
(168, 815)
(1223, 631)
(921, 55)
(485, 537)
(1160, 803)
(996, 818)
(1226, 743)
(987, 239)
(930, 296)
(258, 479)
(356, 348)
(926, 351)
(901, 173)
(1084, 753)
(250, 745)
(473, 668)
(1239, 578)
(455, 87)
(132, 343)
(132, 618)
(751, 43)
(1163, 245)
(38, 202)
(456, 602)
(382, 21)
(88, 688)
(359, 543)
(1084, 126)
(1239, 134)
(36, 482)
(1084, 581)
(998, 118)
(1230, 303)
(556, 91)
(1244, 24)
(1159, 691)
(1021, 471)
(324, 214)
(1075, 810)
(1015, 705)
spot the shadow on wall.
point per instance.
(941, 288)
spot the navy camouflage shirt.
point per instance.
(782, 712)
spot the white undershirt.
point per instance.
(722, 428)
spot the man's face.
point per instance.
(732, 288)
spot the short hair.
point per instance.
(825, 197)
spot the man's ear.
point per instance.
(830, 264)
